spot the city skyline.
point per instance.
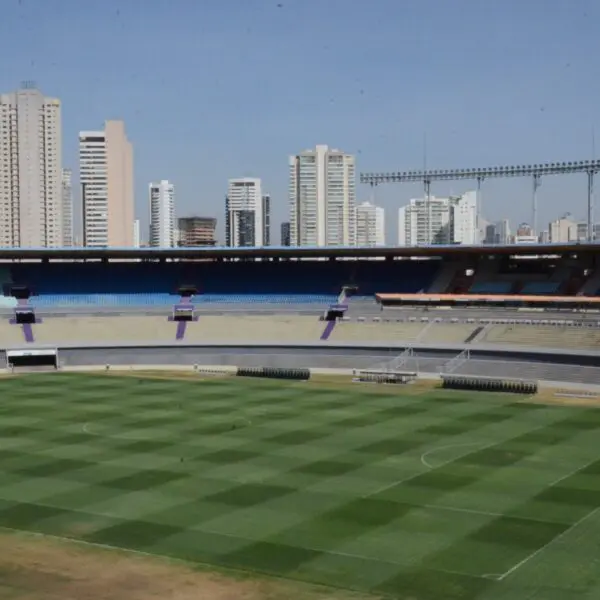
(322, 203)
(511, 106)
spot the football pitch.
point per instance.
(398, 492)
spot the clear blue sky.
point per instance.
(213, 89)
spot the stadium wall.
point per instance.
(536, 364)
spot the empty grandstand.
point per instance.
(457, 300)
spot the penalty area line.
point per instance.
(547, 545)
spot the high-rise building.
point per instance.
(196, 231)
(31, 202)
(137, 234)
(247, 214)
(463, 219)
(322, 196)
(106, 178)
(285, 233)
(67, 206)
(266, 207)
(370, 225)
(563, 230)
(433, 220)
(162, 214)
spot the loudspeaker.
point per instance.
(20, 292)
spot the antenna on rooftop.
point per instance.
(28, 84)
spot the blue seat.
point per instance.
(491, 287)
(252, 282)
(540, 288)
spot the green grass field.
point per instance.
(420, 495)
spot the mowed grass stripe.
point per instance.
(342, 433)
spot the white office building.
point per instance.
(247, 214)
(162, 214)
(31, 201)
(563, 230)
(370, 225)
(322, 198)
(106, 179)
(67, 206)
(426, 221)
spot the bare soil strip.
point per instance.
(37, 568)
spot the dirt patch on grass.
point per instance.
(38, 568)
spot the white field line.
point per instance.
(424, 455)
(440, 448)
(471, 511)
(573, 472)
(414, 475)
(156, 555)
(546, 546)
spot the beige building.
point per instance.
(563, 230)
(67, 206)
(106, 178)
(30, 170)
(322, 197)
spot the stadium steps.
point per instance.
(544, 335)
(444, 278)
(474, 334)
(591, 286)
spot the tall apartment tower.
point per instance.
(322, 197)
(106, 179)
(162, 214)
(247, 214)
(67, 206)
(433, 220)
(31, 210)
(370, 225)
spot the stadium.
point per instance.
(404, 422)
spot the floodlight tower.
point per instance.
(537, 171)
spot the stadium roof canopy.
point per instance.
(287, 252)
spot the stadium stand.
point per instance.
(5, 284)
(394, 332)
(551, 336)
(155, 283)
(543, 288)
(91, 330)
(491, 287)
(10, 334)
(281, 328)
